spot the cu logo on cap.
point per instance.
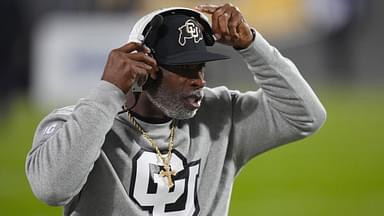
(189, 31)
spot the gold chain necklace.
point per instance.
(166, 172)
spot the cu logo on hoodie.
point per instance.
(149, 190)
(189, 31)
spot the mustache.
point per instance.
(198, 93)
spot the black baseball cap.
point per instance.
(180, 40)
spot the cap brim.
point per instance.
(192, 57)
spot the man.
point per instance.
(178, 145)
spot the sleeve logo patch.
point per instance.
(50, 129)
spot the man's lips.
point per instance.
(193, 101)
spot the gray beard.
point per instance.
(171, 104)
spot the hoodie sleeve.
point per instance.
(282, 110)
(67, 143)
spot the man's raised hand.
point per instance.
(228, 25)
(128, 64)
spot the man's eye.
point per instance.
(184, 69)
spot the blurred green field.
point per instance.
(338, 171)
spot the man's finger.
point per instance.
(139, 56)
(141, 74)
(223, 23)
(207, 8)
(143, 65)
(129, 47)
(233, 23)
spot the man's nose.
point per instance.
(198, 81)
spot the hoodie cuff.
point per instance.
(259, 48)
(107, 97)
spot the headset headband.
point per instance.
(137, 33)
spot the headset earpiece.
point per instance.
(206, 27)
(152, 28)
(207, 34)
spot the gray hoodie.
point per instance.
(94, 162)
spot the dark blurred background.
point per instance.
(53, 52)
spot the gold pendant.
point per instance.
(167, 173)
